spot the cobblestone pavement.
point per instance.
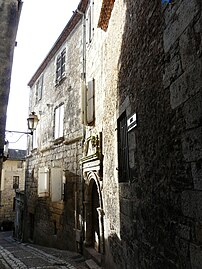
(17, 255)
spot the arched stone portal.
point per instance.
(93, 207)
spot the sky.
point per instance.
(41, 23)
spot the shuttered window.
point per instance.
(59, 121)
(39, 89)
(90, 102)
(123, 168)
(60, 66)
(43, 182)
(56, 184)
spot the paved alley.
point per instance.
(17, 255)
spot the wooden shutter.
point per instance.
(43, 182)
(90, 102)
(56, 184)
(2, 180)
(61, 121)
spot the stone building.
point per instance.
(132, 170)
(9, 18)
(53, 182)
(13, 179)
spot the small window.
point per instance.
(58, 121)
(60, 66)
(89, 23)
(39, 89)
(15, 182)
(123, 164)
(20, 164)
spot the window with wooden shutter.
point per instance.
(90, 111)
(60, 66)
(56, 184)
(39, 89)
(43, 182)
(90, 23)
(59, 121)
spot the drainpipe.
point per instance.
(83, 78)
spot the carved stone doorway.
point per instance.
(94, 227)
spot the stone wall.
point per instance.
(55, 222)
(154, 220)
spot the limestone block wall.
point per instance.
(154, 221)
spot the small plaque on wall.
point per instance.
(132, 122)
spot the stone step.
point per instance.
(92, 265)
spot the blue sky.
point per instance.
(41, 22)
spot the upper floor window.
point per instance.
(89, 23)
(88, 103)
(16, 182)
(60, 66)
(39, 89)
(58, 121)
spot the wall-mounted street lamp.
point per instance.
(32, 122)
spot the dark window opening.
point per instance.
(15, 182)
(60, 66)
(123, 165)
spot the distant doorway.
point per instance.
(95, 219)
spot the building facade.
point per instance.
(13, 179)
(135, 197)
(53, 184)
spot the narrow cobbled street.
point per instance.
(18, 255)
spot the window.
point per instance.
(60, 66)
(43, 182)
(59, 119)
(20, 164)
(123, 168)
(35, 138)
(89, 23)
(39, 89)
(56, 184)
(15, 182)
